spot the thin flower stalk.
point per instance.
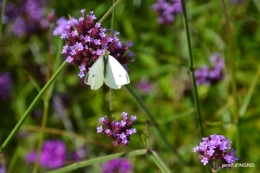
(191, 68)
(46, 102)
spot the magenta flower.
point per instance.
(87, 40)
(211, 75)
(117, 165)
(216, 150)
(53, 154)
(119, 131)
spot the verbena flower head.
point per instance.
(166, 10)
(211, 75)
(119, 131)
(53, 154)
(86, 40)
(117, 165)
(216, 149)
(5, 85)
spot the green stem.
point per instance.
(147, 134)
(2, 17)
(152, 119)
(233, 80)
(159, 162)
(111, 102)
(113, 16)
(194, 84)
(110, 89)
(109, 11)
(43, 125)
(231, 63)
(46, 101)
(32, 105)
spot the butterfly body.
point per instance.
(107, 69)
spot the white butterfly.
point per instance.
(108, 69)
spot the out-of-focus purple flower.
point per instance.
(216, 150)
(60, 28)
(119, 131)
(234, 2)
(87, 40)
(53, 154)
(166, 10)
(19, 27)
(30, 17)
(144, 86)
(211, 75)
(117, 165)
(10, 12)
(2, 168)
(5, 85)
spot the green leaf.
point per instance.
(158, 161)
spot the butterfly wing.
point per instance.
(95, 76)
(116, 75)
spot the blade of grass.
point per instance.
(46, 99)
(249, 95)
(158, 161)
(257, 4)
(232, 69)
(32, 80)
(191, 68)
(110, 10)
(98, 160)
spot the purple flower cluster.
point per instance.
(87, 40)
(166, 10)
(53, 154)
(216, 149)
(5, 85)
(120, 131)
(117, 165)
(26, 16)
(212, 75)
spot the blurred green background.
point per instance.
(158, 49)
